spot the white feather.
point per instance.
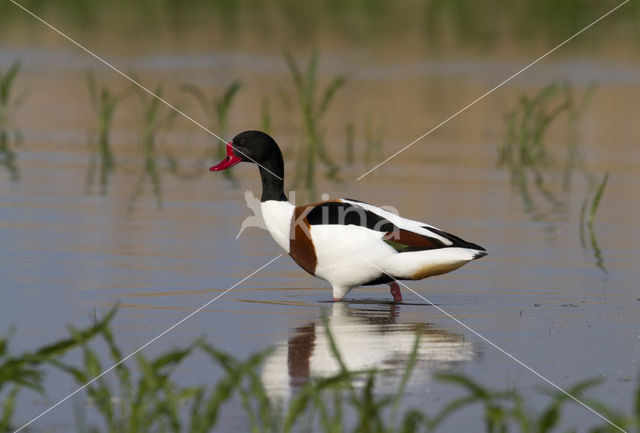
(345, 253)
(401, 222)
(277, 217)
(351, 255)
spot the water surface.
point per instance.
(69, 253)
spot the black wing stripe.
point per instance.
(457, 242)
(347, 214)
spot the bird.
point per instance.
(346, 242)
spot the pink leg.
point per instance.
(395, 292)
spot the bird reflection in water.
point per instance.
(367, 336)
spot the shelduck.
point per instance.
(346, 242)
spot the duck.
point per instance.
(346, 242)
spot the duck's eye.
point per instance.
(227, 158)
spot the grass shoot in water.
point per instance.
(155, 118)
(144, 396)
(313, 104)
(575, 159)
(101, 158)
(25, 371)
(595, 203)
(350, 132)
(9, 105)
(525, 152)
(265, 115)
(373, 141)
(217, 111)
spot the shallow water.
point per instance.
(539, 295)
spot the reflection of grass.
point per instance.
(313, 105)
(104, 103)
(155, 118)
(217, 111)
(525, 154)
(575, 159)
(524, 151)
(145, 397)
(595, 203)
(8, 106)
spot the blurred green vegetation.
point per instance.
(308, 100)
(438, 22)
(9, 105)
(217, 111)
(530, 158)
(144, 396)
(524, 151)
(588, 222)
(313, 104)
(101, 159)
(156, 117)
(532, 161)
(25, 371)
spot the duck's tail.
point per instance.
(475, 249)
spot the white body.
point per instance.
(351, 255)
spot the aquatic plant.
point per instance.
(525, 153)
(439, 23)
(373, 141)
(101, 158)
(25, 371)
(145, 397)
(147, 401)
(505, 411)
(217, 111)
(265, 115)
(9, 105)
(595, 203)
(313, 105)
(155, 117)
(350, 133)
(574, 159)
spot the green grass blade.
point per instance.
(294, 69)
(597, 197)
(93, 87)
(265, 115)
(6, 82)
(332, 343)
(583, 211)
(8, 409)
(330, 92)
(228, 96)
(411, 362)
(196, 92)
(469, 385)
